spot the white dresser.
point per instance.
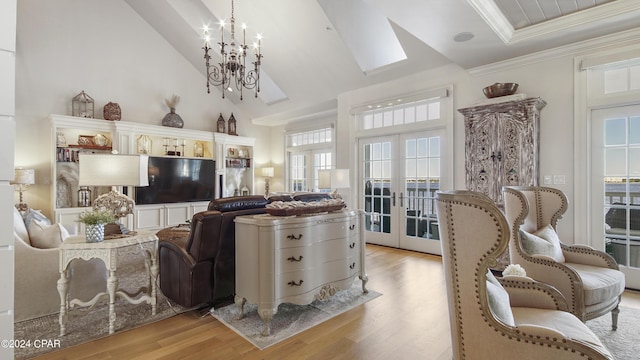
(297, 259)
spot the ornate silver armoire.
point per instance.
(501, 145)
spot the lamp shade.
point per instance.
(267, 172)
(324, 179)
(340, 178)
(24, 176)
(333, 179)
(113, 170)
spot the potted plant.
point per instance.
(94, 224)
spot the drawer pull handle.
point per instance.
(293, 259)
(293, 283)
(353, 226)
(293, 237)
(352, 266)
(352, 245)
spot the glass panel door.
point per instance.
(378, 180)
(616, 187)
(400, 175)
(421, 181)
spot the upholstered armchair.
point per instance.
(510, 318)
(588, 279)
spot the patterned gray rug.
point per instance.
(85, 325)
(291, 319)
(623, 343)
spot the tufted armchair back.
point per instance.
(588, 279)
(530, 323)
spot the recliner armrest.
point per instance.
(526, 292)
(177, 245)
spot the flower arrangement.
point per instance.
(96, 217)
(514, 270)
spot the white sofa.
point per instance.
(37, 273)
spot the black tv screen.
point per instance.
(176, 179)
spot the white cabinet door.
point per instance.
(148, 217)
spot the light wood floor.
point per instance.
(409, 321)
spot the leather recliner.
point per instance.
(200, 269)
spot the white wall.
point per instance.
(7, 139)
(106, 49)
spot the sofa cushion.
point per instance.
(35, 215)
(564, 322)
(19, 227)
(545, 241)
(312, 196)
(46, 236)
(238, 203)
(600, 284)
(499, 300)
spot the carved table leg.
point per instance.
(266, 315)
(364, 279)
(63, 288)
(112, 285)
(154, 276)
(240, 301)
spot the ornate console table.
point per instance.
(76, 247)
(297, 259)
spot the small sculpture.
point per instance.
(220, 124)
(232, 125)
(112, 111)
(172, 119)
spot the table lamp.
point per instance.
(114, 170)
(22, 179)
(267, 173)
(333, 179)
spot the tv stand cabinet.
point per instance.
(71, 135)
(297, 259)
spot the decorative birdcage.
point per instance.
(82, 105)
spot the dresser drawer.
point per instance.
(303, 236)
(313, 255)
(299, 282)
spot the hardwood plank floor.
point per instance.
(409, 321)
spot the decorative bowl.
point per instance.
(500, 89)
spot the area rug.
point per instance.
(623, 343)
(291, 319)
(84, 325)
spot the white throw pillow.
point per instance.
(499, 300)
(545, 241)
(46, 236)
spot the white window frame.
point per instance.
(585, 101)
(309, 150)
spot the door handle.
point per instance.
(393, 199)
(401, 200)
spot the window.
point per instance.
(307, 152)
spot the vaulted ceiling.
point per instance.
(315, 50)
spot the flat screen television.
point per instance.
(178, 179)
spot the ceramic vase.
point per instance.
(172, 119)
(94, 233)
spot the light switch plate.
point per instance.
(546, 180)
(558, 179)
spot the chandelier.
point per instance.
(232, 69)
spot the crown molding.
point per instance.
(622, 38)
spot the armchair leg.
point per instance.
(614, 318)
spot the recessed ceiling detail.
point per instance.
(520, 20)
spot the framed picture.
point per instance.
(233, 152)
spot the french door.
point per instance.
(615, 186)
(304, 166)
(400, 175)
